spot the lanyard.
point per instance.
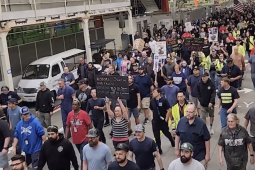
(181, 110)
(157, 102)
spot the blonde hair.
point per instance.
(234, 117)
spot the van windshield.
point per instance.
(40, 71)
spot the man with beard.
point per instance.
(96, 155)
(186, 161)
(122, 163)
(57, 152)
(193, 130)
(168, 68)
(19, 163)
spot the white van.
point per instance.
(47, 69)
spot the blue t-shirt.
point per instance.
(144, 83)
(97, 158)
(14, 116)
(69, 77)
(118, 62)
(170, 93)
(143, 152)
(179, 80)
(66, 103)
(193, 82)
(234, 71)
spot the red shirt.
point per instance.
(232, 39)
(79, 125)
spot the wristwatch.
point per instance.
(251, 154)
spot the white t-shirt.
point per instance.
(178, 165)
(152, 45)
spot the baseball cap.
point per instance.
(123, 147)
(229, 60)
(52, 128)
(169, 78)
(205, 74)
(83, 81)
(135, 65)
(42, 83)
(135, 48)
(12, 100)
(195, 68)
(187, 147)
(93, 133)
(24, 110)
(139, 128)
(238, 39)
(141, 68)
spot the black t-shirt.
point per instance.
(143, 152)
(129, 166)
(232, 72)
(5, 98)
(227, 97)
(133, 91)
(4, 133)
(83, 97)
(96, 114)
(159, 108)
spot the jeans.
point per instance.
(223, 116)
(99, 124)
(213, 76)
(33, 158)
(80, 149)
(64, 114)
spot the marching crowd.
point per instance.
(162, 95)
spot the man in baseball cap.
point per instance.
(122, 161)
(186, 161)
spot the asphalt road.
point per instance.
(246, 101)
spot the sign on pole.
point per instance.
(213, 34)
(160, 49)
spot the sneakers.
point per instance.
(146, 120)
(211, 131)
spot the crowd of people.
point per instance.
(161, 95)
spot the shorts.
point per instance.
(195, 101)
(133, 111)
(146, 103)
(205, 111)
(4, 161)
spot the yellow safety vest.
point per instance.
(176, 114)
(236, 33)
(209, 62)
(219, 65)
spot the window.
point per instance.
(55, 70)
(63, 64)
(40, 71)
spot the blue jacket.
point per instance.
(187, 71)
(32, 131)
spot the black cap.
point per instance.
(123, 147)
(229, 60)
(169, 78)
(93, 133)
(83, 81)
(52, 128)
(205, 74)
(135, 65)
(12, 100)
(141, 68)
(195, 68)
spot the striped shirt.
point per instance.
(120, 129)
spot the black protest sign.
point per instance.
(112, 87)
(194, 44)
(173, 43)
